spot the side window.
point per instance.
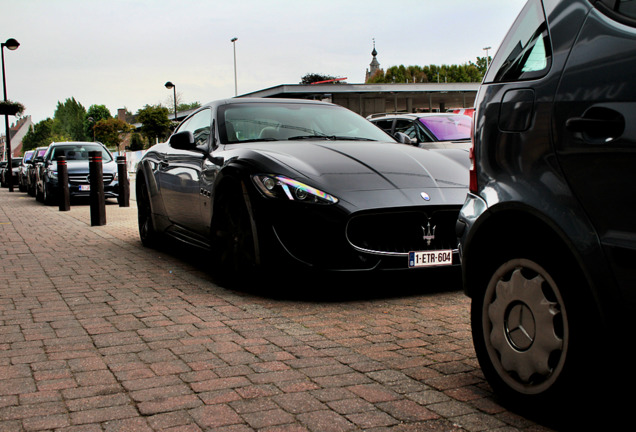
(385, 125)
(407, 127)
(199, 125)
(525, 53)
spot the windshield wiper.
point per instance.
(302, 137)
(329, 138)
(253, 140)
(350, 138)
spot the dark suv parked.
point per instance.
(548, 232)
(22, 171)
(13, 171)
(76, 153)
(32, 168)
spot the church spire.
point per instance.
(374, 66)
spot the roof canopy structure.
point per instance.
(366, 99)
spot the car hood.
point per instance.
(376, 171)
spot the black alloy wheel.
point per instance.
(147, 233)
(233, 240)
(47, 197)
(39, 196)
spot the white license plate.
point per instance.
(431, 258)
(85, 188)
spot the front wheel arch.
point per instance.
(563, 289)
(148, 233)
(233, 234)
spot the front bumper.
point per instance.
(82, 189)
(327, 238)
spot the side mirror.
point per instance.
(183, 141)
(403, 138)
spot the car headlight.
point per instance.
(52, 174)
(277, 186)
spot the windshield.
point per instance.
(448, 128)
(79, 152)
(28, 155)
(280, 121)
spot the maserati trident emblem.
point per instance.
(429, 233)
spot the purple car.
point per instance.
(428, 130)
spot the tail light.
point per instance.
(472, 185)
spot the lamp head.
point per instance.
(12, 44)
(169, 85)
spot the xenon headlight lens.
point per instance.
(277, 186)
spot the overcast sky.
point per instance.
(120, 53)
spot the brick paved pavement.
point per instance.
(98, 333)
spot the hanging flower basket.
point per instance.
(11, 108)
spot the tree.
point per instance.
(155, 124)
(314, 77)
(94, 114)
(38, 135)
(108, 131)
(136, 142)
(469, 72)
(69, 120)
(482, 64)
(184, 106)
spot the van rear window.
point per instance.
(525, 52)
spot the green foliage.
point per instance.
(136, 142)
(94, 114)
(469, 72)
(314, 77)
(38, 135)
(109, 130)
(184, 107)
(155, 122)
(69, 120)
(11, 108)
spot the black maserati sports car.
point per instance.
(268, 183)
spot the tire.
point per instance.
(39, 196)
(233, 242)
(528, 333)
(147, 232)
(47, 197)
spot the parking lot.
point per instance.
(98, 333)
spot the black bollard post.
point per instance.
(123, 197)
(63, 197)
(96, 174)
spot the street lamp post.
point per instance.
(233, 40)
(11, 44)
(169, 86)
(486, 49)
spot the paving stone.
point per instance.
(99, 334)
